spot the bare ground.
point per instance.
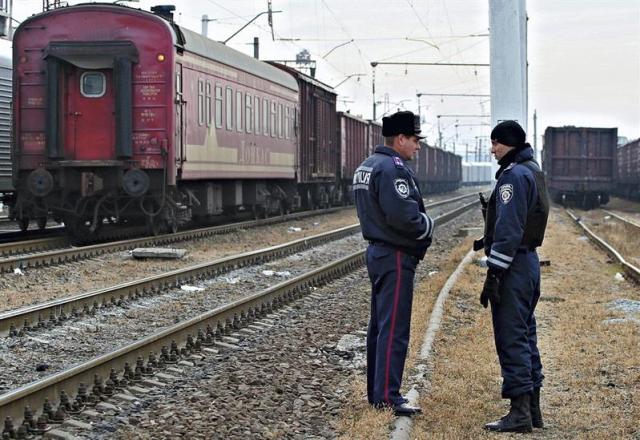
(589, 351)
(592, 365)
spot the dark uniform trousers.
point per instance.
(514, 326)
(392, 275)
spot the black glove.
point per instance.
(483, 206)
(491, 288)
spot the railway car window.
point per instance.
(280, 120)
(239, 108)
(273, 119)
(248, 118)
(256, 113)
(287, 122)
(93, 84)
(265, 117)
(218, 107)
(229, 107)
(200, 102)
(208, 104)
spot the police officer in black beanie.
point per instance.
(515, 223)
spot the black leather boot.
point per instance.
(536, 413)
(518, 419)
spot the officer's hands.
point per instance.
(491, 288)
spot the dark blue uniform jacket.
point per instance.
(390, 205)
(515, 195)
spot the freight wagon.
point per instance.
(437, 170)
(580, 164)
(628, 170)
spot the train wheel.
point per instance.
(42, 223)
(23, 223)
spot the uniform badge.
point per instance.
(506, 193)
(398, 161)
(402, 187)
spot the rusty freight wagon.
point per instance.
(580, 164)
(437, 170)
(354, 148)
(374, 136)
(628, 170)
(318, 167)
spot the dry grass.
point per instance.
(592, 368)
(361, 421)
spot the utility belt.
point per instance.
(404, 250)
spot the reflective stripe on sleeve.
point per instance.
(497, 263)
(504, 257)
(429, 230)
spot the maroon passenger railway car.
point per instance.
(120, 114)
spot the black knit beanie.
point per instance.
(509, 133)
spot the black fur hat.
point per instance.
(401, 123)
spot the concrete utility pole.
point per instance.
(535, 134)
(508, 54)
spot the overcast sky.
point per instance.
(584, 55)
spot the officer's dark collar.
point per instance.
(387, 150)
(516, 155)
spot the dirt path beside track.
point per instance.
(588, 338)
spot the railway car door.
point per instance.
(180, 153)
(89, 115)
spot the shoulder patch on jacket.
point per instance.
(506, 193)
(402, 187)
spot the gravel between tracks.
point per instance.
(42, 284)
(42, 353)
(290, 381)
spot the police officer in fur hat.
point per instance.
(516, 218)
(394, 222)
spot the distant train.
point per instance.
(121, 116)
(580, 164)
(477, 173)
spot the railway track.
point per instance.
(59, 256)
(197, 336)
(624, 220)
(630, 269)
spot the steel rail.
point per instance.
(75, 253)
(60, 256)
(56, 311)
(51, 313)
(37, 244)
(622, 219)
(629, 268)
(106, 372)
